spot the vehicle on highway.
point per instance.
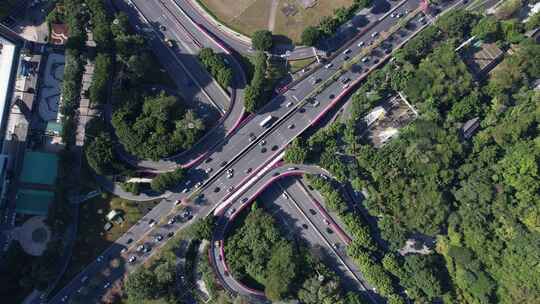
(292, 169)
(289, 104)
(374, 34)
(152, 223)
(171, 43)
(208, 170)
(329, 65)
(365, 59)
(198, 185)
(186, 190)
(291, 126)
(266, 121)
(347, 51)
(178, 202)
(158, 238)
(171, 221)
(315, 103)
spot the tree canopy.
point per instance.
(156, 126)
(262, 40)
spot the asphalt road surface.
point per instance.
(244, 152)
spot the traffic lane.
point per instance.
(173, 29)
(339, 247)
(114, 251)
(251, 123)
(331, 91)
(231, 41)
(192, 95)
(317, 243)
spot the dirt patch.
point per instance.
(292, 16)
(292, 23)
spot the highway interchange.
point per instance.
(240, 164)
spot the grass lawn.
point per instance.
(92, 239)
(248, 16)
(297, 65)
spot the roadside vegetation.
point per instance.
(266, 71)
(262, 258)
(153, 127)
(329, 24)
(477, 197)
(161, 280)
(216, 65)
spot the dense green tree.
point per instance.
(100, 79)
(120, 25)
(281, 271)
(167, 180)
(296, 153)
(310, 36)
(141, 286)
(262, 40)
(100, 154)
(155, 127)
(316, 291)
(203, 228)
(215, 64)
(487, 29)
(456, 23)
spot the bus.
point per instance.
(266, 121)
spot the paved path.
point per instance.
(272, 19)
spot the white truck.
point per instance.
(265, 122)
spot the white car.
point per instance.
(347, 51)
(360, 44)
(198, 185)
(289, 104)
(185, 190)
(132, 259)
(107, 285)
(151, 223)
(328, 65)
(208, 170)
(374, 34)
(83, 279)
